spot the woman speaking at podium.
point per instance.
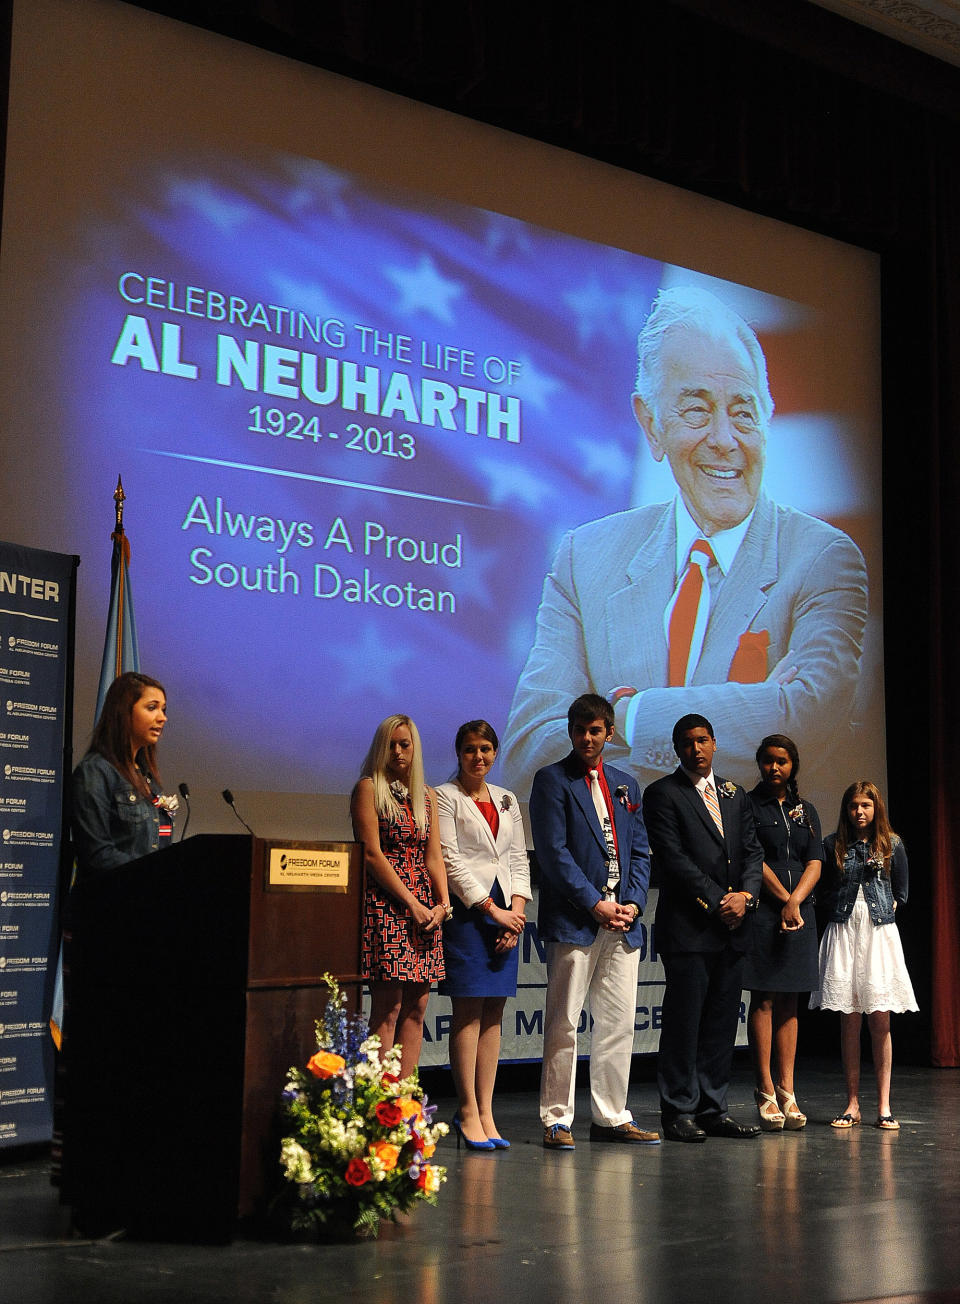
(395, 817)
(119, 811)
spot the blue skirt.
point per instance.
(472, 966)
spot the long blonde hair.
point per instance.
(375, 768)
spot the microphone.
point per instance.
(184, 792)
(227, 796)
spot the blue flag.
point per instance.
(121, 652)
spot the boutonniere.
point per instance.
(622, 796)
(798, 814)
(170, 804)
(506, 801)
(727, 789)
(399, 790)
(875, 864)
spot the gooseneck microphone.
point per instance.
(227, 796)
(184, 792)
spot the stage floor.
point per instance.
(818, 1215)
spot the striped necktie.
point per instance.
(713, 806)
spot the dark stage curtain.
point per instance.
(788, 110)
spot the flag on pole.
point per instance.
(121, 652)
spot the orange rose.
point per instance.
(386, 1153)
(409, 1108)
(429, 1180)
(428, 1151)
(326, 1065)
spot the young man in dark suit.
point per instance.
(710, 867)
(591, 847)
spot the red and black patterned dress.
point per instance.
(394, 949)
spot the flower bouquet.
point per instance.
(359, 1139)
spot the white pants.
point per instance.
(606, 971)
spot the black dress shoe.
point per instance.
(728, 1126)
(683, 1129)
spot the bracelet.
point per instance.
(487, 905)
(448, 910)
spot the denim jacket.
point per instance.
(112, 822)
(879, 891)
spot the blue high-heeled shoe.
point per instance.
(499, 1142)
(471, 1145)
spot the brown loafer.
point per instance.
(626, 1132)
(558, 1137)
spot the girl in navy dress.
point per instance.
(784, 960)
(481, 834)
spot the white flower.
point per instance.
(171, 804)
(296, 1161)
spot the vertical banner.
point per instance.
(36, 619)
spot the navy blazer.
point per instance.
(696, 867)
(572, 853)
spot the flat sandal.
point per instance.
(846, 1120)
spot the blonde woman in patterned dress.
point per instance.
(407, 902)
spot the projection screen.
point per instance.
(363, 365)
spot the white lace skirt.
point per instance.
(862, 968)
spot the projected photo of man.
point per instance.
(719, 601)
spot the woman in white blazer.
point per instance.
(481, 835)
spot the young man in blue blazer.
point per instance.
(591, 847)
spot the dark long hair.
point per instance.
(112, 734)
(790, 747)
(881, 836)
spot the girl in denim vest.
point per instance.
(862, 969)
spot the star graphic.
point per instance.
(311, 296)
(602, 460)
(319, 189)
(535, 387)
(203, 198)
(371, 662)
(423, 289)
(507, 482)
(594, 310)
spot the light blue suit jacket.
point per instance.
(572, 852)
(795, 578)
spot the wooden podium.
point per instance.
(193, 983)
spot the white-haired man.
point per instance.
(720, 601)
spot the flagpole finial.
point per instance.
(119, 498)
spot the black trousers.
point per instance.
(700, 1016)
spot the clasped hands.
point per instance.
(427, 919)
(614, 917)
(791, 921)
(732, 909)
(512, 924)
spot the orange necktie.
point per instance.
(687, 616)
